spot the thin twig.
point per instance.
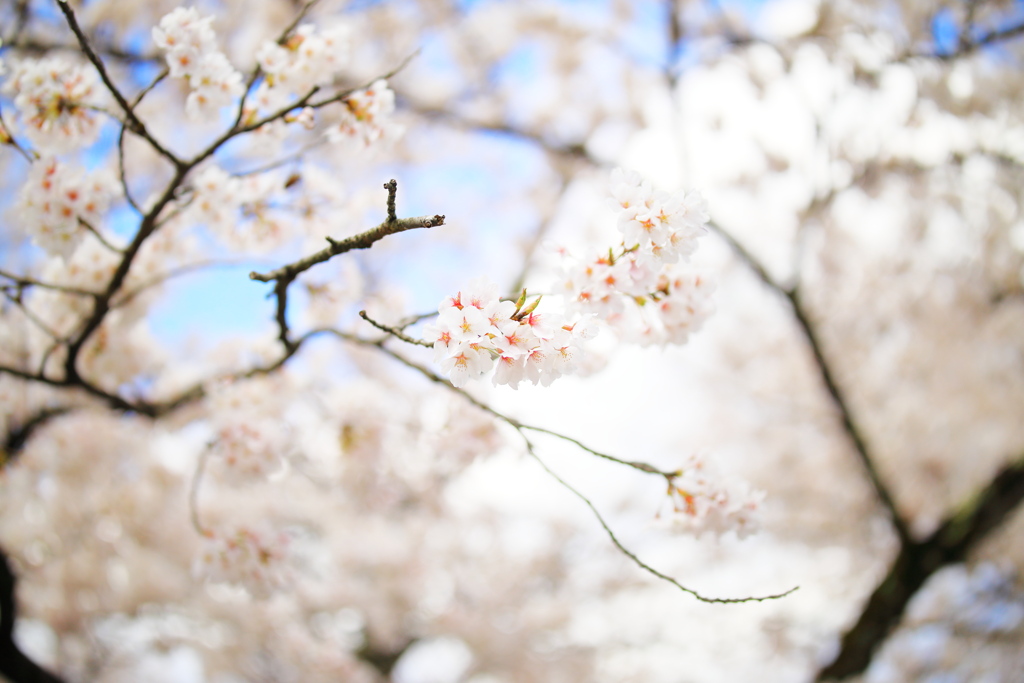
(26, 282)
(392, 187)
(96, 233)
(394, 332)
(632, 556)
(521, 427)
(121, 137)
(186, 269)
(348, 93)
(32, 317)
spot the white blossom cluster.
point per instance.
(249, 450)
(307, 60)
(476, 330)
(53, 98)
(54, 200)
(220, 200)
(702, 502)
(663, 226)
(365, 118)
(192, 53)
(643, 292)
(251, 437)
(251, 556)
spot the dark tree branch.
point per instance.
(285, 275)
(364, 240)
(381, 659)
(18, 436)
(132, 121)
(850, 427)
(917, 561)
(853, 431)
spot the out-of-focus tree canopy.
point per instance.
(782, 345)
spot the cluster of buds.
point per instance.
(476, 330)
(192, 53)
(54, 99)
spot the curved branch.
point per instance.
(521, 429)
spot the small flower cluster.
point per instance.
(53, 97)
(191, 52)
(255, 558)
(699, 503)
(642, 291)
(477, 330)
(657, 225)
(308, 59)
(222, 200)
(252, 440)
(365, 116)
(55, 199)
(249, 450)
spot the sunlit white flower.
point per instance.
(191, 51)
(475, 331)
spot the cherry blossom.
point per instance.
(191, 50)
(476, 330)
(310, 58)
(254, 557)
(702, 502)
(365, 117)
(55, 98)
(57, 198)
(239, 210)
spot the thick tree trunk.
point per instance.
(14, 664)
